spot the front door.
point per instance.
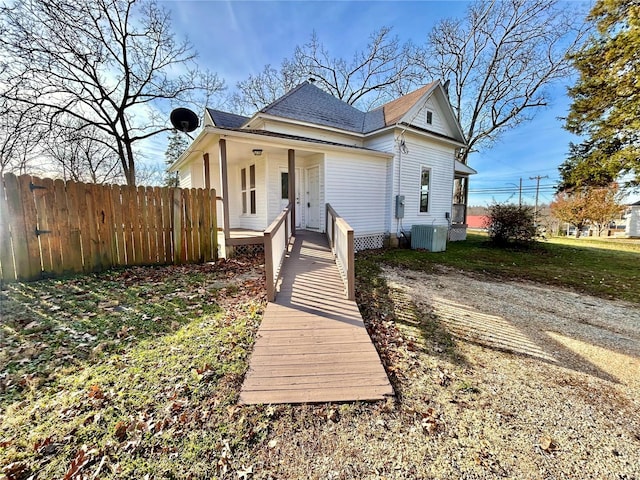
(284, 193)
(313, 198)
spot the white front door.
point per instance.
(313, 198)
(284, 193)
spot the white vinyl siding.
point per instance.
(317, 133)
(385, 143)
(275, 165)
(439, 159)
(438, 123)
(357, 190)
(184, 177)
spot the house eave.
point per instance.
(405, 127)
(182, 159)
(309, 145)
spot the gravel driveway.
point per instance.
(555, 368)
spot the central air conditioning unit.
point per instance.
(429, 237)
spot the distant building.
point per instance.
(477, 221)
(632, 228)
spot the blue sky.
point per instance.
(235, 39)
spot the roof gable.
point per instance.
(434, 98)
(398, 108)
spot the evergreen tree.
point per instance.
(177, 145)
(606, 97)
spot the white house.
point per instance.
(632, 228)
(382, 170)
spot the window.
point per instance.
(429, 117)
(252, 188)
(248, 190)
(424, 189)
(284, 187)
(243, 186)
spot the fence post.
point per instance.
(351, 269)
(176, 215)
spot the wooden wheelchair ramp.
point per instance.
(312, 345)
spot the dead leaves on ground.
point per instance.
(95, 317)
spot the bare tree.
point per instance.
(110, 64)
(265, 87)
(372, 76)
(19, 138)
(81, 154)
(499, 59)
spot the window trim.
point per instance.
(430, 170)
(243, 189)
(248, 192)
(429, 117)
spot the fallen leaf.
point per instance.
(273, 443)
(41, 443)
(96, 392)
(80, 460)
(16, 470)
(547, 444)
(121, 431)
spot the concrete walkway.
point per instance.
(312, 345)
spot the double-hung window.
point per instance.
(425, 180)
(248, 189)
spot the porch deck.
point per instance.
(312, 345)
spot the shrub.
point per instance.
(511, 225)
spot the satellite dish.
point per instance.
(184, 120)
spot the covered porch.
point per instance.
(458, 229)
(251, 173)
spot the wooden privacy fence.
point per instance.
(52, 227)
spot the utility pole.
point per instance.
(535, 211)
(520, 193)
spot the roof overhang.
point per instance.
(464, 169)
(405, 127)
(187, 153)
(273, 140)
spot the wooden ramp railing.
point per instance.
(340, 236)
(312, 345)
(276, 240)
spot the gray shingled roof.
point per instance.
(225, 119)
(308, 103)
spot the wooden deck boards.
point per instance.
(312, 345)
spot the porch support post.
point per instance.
(225, 187)
(292, 189)
(207, 176)
(465, 185)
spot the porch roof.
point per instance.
(465, 169)
(295, 140)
